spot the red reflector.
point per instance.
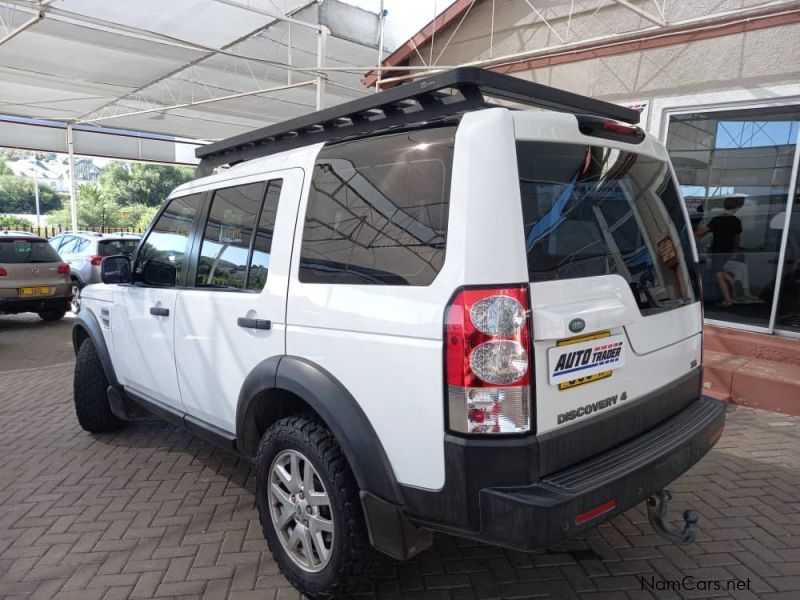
(596, 512)
(618, 127)
(95, 260)
(63, 269)
(3, 272)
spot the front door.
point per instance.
(232, 314)
(143, 317)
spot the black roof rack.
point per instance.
(421, 101)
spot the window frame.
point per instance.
(200, 230)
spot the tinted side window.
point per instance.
(377, 210)
(259, 263)
(166, 245)
(228, 235)
(81, 245)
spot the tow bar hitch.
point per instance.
(657, 513)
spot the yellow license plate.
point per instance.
(35, 291)
(589, 378)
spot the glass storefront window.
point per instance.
(734, 168)
(788, 316)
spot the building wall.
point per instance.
(744, 63)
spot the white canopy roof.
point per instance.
(199, 69)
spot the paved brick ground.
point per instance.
(153, 512)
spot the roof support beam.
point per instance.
(658, 20)
(200, 102)
(266, 13)
(42, 8)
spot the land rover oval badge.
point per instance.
(577, 325)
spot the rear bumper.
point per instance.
(41, 304)
(576, 499)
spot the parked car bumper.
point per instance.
(576, 499)
(40, 304)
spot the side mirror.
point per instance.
(115, 269)
(155, 272)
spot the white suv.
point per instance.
(419, 311)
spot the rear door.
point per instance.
(232, 314)
(610, 259)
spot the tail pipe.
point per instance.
(657, 513)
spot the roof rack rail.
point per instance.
(423, 100)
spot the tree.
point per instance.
(11, 222)
(4, 168)
(17, 195)
(142, 183)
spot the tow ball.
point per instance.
(657, 513)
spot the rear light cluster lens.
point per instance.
(63, 269)
(95, 260)
(487, 356)
(3, 272)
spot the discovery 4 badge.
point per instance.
(572, 361)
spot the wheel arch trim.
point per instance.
(337, 408)
(86, 325)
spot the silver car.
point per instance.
(84, 251)
(32, 278)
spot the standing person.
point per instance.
(726, 231)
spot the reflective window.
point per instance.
(592, 210)
(228, 234)
(377, 210)
(259, 264)
(788, 316)
(166, 246)
(734, 169)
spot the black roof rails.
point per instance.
(423, 100)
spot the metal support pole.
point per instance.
(36, 194)
(73, 194)
(381, 25)
(289, 55)
(321, 33)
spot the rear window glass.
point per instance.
(25, 251)
(592, 210)
(112, 247)
(377, 210)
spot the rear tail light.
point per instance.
(95, 260)
(488, 361)
(3, 272)
(63, 269)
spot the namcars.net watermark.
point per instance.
(690, 583)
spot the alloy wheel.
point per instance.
(75, 303)
(300, 510)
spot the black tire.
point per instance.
(91, 392)
(52, 315)
(353, 562)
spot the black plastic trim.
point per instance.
(543, 514)
(576, 442)
(207, 431)
(86, 322)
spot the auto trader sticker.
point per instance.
(573, 361)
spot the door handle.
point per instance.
(158, 311)
(254, 323)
